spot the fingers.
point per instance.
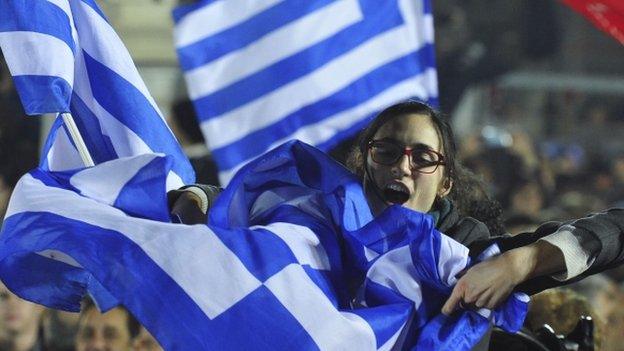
(453, 301)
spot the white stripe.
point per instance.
(303, 243)
(395, 270)
(62, 155)
(217, 17)
(329, 328)
(423, 86)
(453, 259)
(212, 275)
(99, 40)
(30, 53)
(419, 24)
(59, 256)
(92, 186)
(315, 86)
(272, 48)
(173, 181)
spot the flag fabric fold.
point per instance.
(263, 72)
(65, 57)
(291, 258)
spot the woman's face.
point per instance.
(400, 183)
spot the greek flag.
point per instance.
(291, 258)
(261, 72)
(65, 57)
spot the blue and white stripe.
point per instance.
(266, 71)
(65, 57)
(274, 269)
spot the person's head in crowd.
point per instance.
(527, 198)
(59, 330)
(577, 203)
(110, 331)
(144, 341)
(19, 322)
(603, 293)
(561, 309)
(501, 170)
(406, 156)
(606, 298)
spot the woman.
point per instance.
(406, 157)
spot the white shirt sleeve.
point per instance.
(577, 260)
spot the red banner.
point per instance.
(607, 15)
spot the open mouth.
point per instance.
(396, 193)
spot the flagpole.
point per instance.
(77, 139)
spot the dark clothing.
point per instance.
(601, 235)
(465, 230)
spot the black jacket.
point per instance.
(600, 234)
(465, 230)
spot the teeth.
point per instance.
(396, 187)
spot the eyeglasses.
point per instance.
(422, 160)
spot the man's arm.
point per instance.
(531, 265)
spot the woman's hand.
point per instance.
(489, 283)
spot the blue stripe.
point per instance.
(43, 94)
(245, 33)
(380, 17)
(132, 277)
(427, 7)
(138, 198)
(39, 16)
(386, 320)
(181, 11)
(47, 145)
(126, 103)
(99, 145)
(354, 94)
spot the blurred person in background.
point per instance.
(527, 198)
(59, 330)
(607, 299)
(561, 309)
(110, 331)
(20, 322)
(144, 341)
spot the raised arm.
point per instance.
(555, 254)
